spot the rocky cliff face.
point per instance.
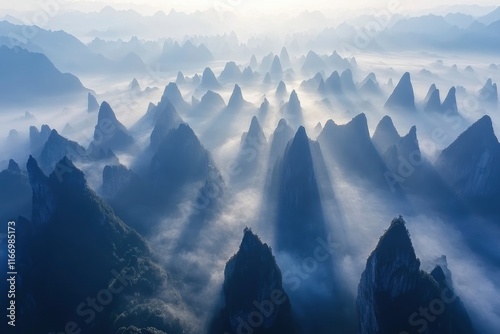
(471, 163)
(78, 250)
(253, 297)
(393, 291)
(15, 193)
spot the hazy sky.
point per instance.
(149, 6)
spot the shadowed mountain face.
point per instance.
(236, 100)
(333, 84)
(415, 175)
(393, 292)
(192, 161)
(470, 166)
(109, 133)
(449, 106)
(301, 227)
(280, 138)
(385, 135)
(250, 157)
(253, 295)
(402, 98)
(179, 165)
(174, 96)
(102, 258)
(351, 147)
(167, 119)
(208, 80)
(432, 101)
(15, 193)
(299, 212)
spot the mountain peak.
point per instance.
(334, 84)
(255, 135)
(109, 132)
(167, 118)
(251, 277)
(281, 89)
(357, 127)
(360, 122)
(392, 280)
(294, 102)
(276, 69)
(208, 79)
(282, 123)
(408, 144)
(469, 164)
(449, 105)
(396, 243)
(250, 241)
(264, 107)
(482, 128)
(180, 78)
(432, 88)
(488, 94)
(385, 134)
(254, 126)
(106, 113)
(231, 72)
(284, 57)
(70, 175)
(134, 85)
(173, 94)
(402, 98)
(212, 99)
(267, 78)
(301, 136)
(432, 101)
(13, 166)
(32, 167)
(236, 100)
(347, 80)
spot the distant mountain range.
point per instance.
(28, 76)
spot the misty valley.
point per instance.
(211, 172)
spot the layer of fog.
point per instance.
(364, 215)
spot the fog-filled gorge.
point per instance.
(184, 173)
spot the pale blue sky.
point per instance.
(242, 5)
